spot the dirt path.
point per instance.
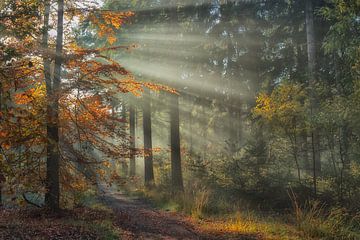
(141, 221)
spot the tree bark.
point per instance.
(311, 49)
(52, 196)
(176, 171)
(148, 157)
(132, 114)
(124, 164)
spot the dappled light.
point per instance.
(179, 119)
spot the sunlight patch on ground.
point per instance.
(269, 229)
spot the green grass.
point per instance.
(310, 222)
(314, 221)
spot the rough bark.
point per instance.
(148, 157)
(176, 171)
(52, 196)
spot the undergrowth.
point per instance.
(215, 213)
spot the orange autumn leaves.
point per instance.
(90, 81)
(34, 95)
(108, 22)
(84, 114)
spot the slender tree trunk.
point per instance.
(191, 139)
(311, 48)
(176, 171)
(45, 49)
(295, 150)
(344, 136)
(52, 196)
(148, 158)
(132, 114)
(331, 144)
(305, 150)
(124, 164)
(47, 78)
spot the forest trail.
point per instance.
(141, 221)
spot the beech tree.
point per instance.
(61, 109)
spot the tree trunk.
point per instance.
(52, 196)
(132, 113)
(148, 157)
(176, 171)
(124, 164)
(305, 150)
(45, 47)
(311, 48)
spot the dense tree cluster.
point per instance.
(268, 94)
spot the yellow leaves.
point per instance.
(101, 172)
(111, 40)
(116, 19)
(79, 185)
(130, 85)
(108, 22)
(36, 93)
(285, 103)
(107, 164)
(264, 106)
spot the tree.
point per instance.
(124, 165)
(52, 197)
(132, 118)
(176, 171)
(284, 109)
(311, 49)
(76, 123)
(148, 155)
(19, 22)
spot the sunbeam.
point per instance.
(179, 119)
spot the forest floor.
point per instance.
(119, 216)
(139, 220)
(115, 216)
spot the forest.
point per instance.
(180, 119)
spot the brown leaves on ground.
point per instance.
(38, 224)
(128, 219)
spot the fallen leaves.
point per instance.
(77, 224)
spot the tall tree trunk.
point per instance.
(124, 164)
(176, 171)
(45, 48)
(311, 49)
(52, 196)
(148, 158)
(132, 114)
